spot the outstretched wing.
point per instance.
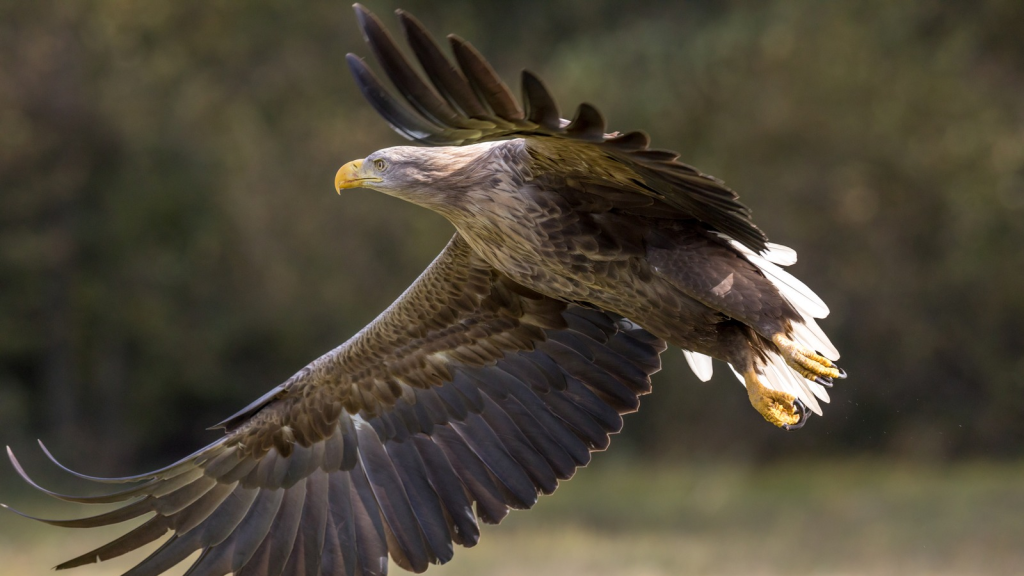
(468, 103)
(467, 397)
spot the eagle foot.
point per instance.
(807, 362)
(779, 408)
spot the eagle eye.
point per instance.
(380, 165)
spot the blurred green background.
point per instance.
(171, 247)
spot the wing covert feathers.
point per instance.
(468, 397)
(465, 102)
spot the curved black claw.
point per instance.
(842, 373)
(805, 414)
(824, 381)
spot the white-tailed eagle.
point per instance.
(579, 256)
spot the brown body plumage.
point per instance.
(578, 255)
(571, 233)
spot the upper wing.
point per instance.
(469, 103)
(468, 390)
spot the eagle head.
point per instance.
(430, 177)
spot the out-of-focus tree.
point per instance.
(170, 246)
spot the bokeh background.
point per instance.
(171, 247)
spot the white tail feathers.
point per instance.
(777, 375)
(792, 289)
(802, 298)
(700, 364)
(779, 254)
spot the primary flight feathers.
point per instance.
(478, 106)
(467, 397)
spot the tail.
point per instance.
(776, 373)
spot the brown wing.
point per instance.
(467, 397)
(468, 103)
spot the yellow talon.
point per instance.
(779, 408)
(805, 361)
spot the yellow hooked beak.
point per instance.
(350, 176)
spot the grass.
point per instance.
(615, 518)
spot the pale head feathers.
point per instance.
(433, 177)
